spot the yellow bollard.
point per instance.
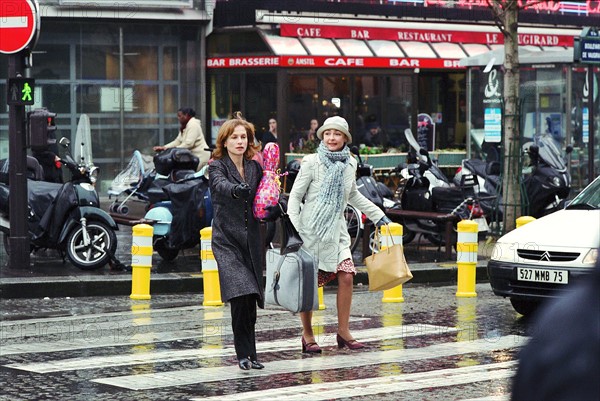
(521, 221)
(141, 261)
(321, 299)
(396, 231)
(466, 259)
(210, 272)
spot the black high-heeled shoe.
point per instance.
(245, 364)
(352, 344)
(257, 365)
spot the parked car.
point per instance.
(544, 258)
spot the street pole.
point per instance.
(17, 154)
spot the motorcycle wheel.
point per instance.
(95, 255)
(353, 220)
(407, 236)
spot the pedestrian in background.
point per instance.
(328, 180)
(190, 137)
(233, 180)
(271, 135)
(561, 361)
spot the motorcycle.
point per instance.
(425, 188)
(546, 179)
(67, 217)
(180, 203)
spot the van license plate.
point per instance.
(543, 275)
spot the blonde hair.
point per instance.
(227, 129)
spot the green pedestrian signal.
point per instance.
(26, 93)
(20, 91)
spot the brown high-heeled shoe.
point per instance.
(352, 344)
(310, 348)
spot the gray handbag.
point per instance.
(292, 280)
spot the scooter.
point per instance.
(425, 188)
(180, 203)
(546, 180)
(67, 217)
(548, 183)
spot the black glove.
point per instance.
(384, 220)
(273, 212)
(242, 191)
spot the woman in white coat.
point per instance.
(327, 183)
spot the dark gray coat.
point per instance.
(235, 232)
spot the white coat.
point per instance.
(192, 138)
(328, 252)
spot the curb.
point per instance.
(171, 283)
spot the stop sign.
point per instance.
(18, 24)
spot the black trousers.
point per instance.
(243, 321)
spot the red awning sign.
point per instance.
(419, 35)
(331, 62)
(18, 25)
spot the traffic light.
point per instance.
(41, 129)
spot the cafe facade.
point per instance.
(371, 69)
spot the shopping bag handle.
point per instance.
(378, 234)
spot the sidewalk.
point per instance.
(48, 276)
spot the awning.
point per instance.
(356, 53)
(547, 55)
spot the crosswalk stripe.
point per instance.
(204, 375)
(141, 317)
(378, 385)
(111, 334)
(152, 356)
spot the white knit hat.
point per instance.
(335, 122)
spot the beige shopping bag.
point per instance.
(387, 268)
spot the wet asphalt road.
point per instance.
(433, 346)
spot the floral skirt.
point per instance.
(346, 265)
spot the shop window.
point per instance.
(52, 62)
(169, 63)
(336, 96)
(224, 97)
(261, 100)
(398, 103)
(303, 107)
(368, 130)
(140, 62)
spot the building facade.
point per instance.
(385, 64)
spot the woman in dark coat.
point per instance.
(234, 178)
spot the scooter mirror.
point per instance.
(569, 149)
(354, 149)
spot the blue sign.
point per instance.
(493, 124)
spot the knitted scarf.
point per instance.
(331, 194)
